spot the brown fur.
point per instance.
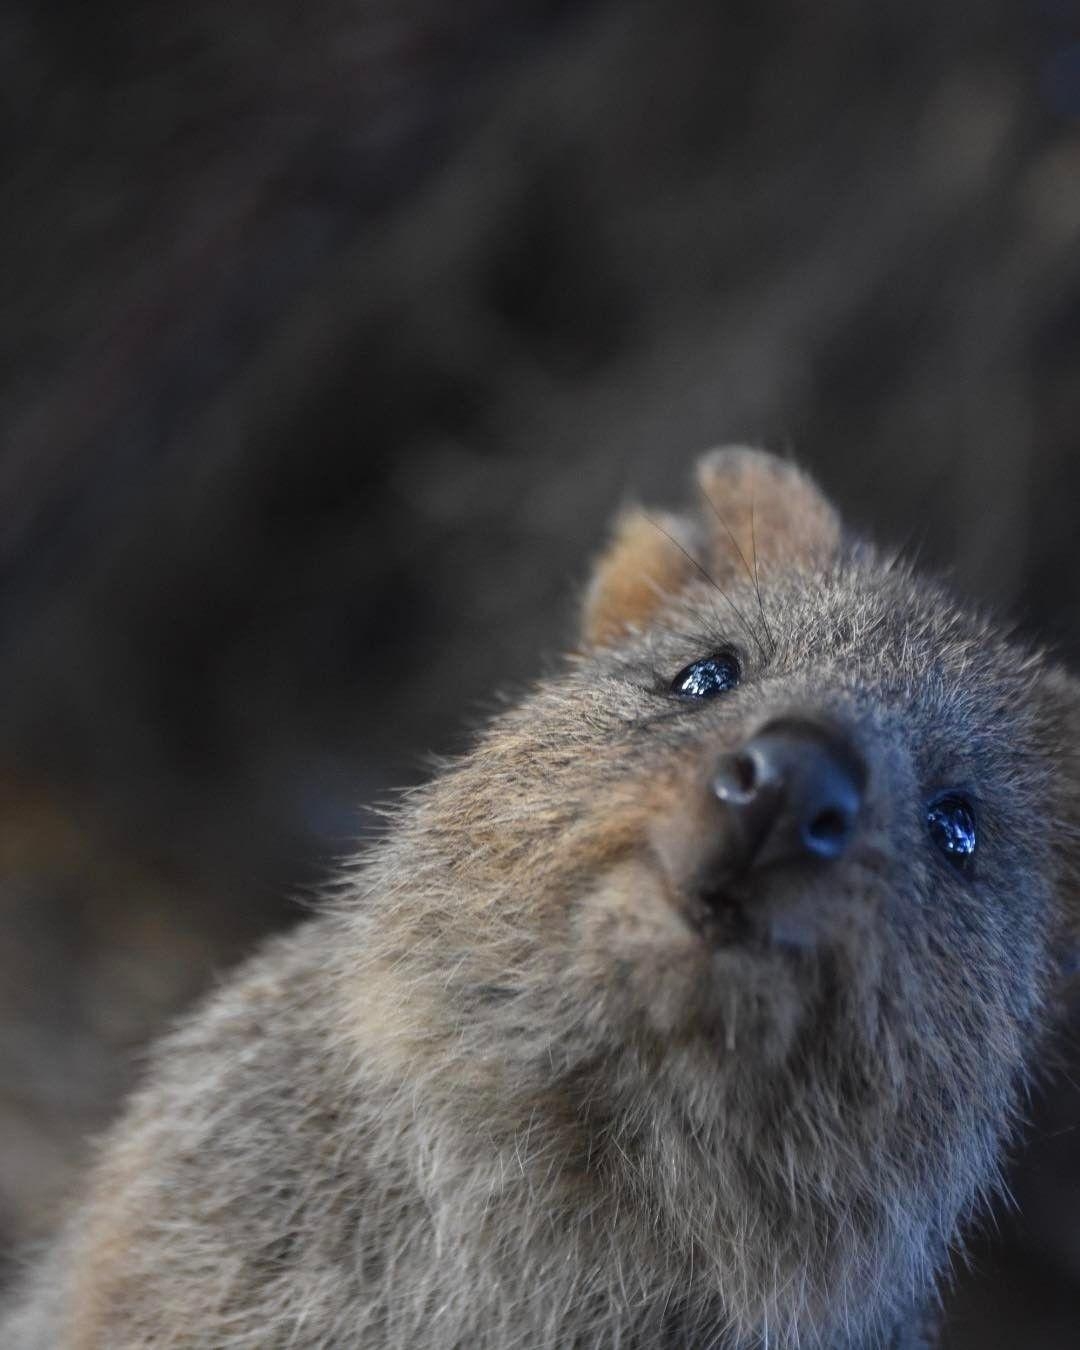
(641, 567)
(764, 509)
(506, 1091)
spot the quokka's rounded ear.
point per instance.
(765, 513)
(753, 512)
(650, 557)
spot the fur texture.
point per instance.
(502, 1092)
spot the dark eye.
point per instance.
(708, 677)
(950, 818)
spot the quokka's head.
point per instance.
(788, 846)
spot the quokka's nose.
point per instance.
(792, 794)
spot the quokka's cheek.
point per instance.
(633, 948)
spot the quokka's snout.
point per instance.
(765, 825)
(795, 789)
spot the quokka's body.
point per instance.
(690, 1009)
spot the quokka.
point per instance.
(691, 1008)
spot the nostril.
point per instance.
(827, 834)
(745, 773)
(737, 779)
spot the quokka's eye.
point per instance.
(950, 818)
(708, 677)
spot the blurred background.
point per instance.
(332, 334)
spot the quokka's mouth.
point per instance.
(728, 921)
(723, 920)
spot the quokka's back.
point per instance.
(691, 1008)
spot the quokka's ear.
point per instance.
(764, 511)
(754, 511)
(650, 557)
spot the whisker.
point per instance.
(757, 584)
(713, 583)
(742, 558)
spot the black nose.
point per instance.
(792, 793)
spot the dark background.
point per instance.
(332, 333)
